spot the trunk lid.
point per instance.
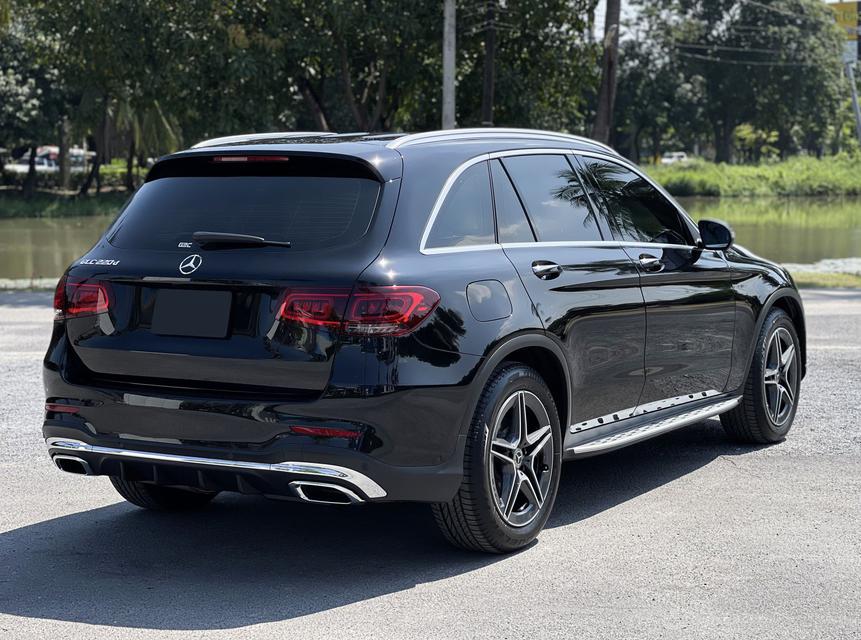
(186, 316)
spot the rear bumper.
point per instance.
(374, 482)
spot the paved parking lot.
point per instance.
(684, 536)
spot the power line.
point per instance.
(768, 7)
(751, 63)
(716, 47)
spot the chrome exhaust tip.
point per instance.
(324, 493)
(72, 464)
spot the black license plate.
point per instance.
(198, 314)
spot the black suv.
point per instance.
(441, 317)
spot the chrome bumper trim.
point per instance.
(316, 469)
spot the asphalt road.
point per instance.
(684, 536)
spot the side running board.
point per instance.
(652, 429)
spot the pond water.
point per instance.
(801, 230)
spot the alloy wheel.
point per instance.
(780, 378)
(521, 460)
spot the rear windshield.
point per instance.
(308, 212)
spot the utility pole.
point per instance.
(449, 35)
(489, 66)
(609, 65)
(850, 73)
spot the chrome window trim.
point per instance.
(316, 469)
(490, 132)
(569, 243)
(461, 249)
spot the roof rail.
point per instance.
(215, 142)
(489, 132)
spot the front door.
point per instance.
(585, 288)
(690, 307)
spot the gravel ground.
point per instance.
(683, 536)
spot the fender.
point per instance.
(767, 306)
(501, 351)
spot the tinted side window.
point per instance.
(466, 216)
(511, 222)
(638, 211)
(554, 198)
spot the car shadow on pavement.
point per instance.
(246, 560)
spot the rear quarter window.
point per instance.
(465, 217)
(309, 212)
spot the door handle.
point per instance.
(546, 270)
(651, 263)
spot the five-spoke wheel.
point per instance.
(511, 465)
(780, 378)
(522, 458)
(770, 397)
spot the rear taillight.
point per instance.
(388, 311)
(368, 311)
(316, 308)
(76, 298)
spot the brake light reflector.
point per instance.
(325, 432)
(74, 298)
(368, 311)
(55, 407)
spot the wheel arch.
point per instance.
(540, 352)
(789, 301)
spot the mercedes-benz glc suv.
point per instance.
(441, 317)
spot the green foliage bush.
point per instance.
(802, 176)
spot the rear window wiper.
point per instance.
(204, 238)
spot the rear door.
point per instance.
(690, 307)
(586, 290)
(231, 316)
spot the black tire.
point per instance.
(752, 421)
(152, 496)
(472, 520)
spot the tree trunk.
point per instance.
(65, 174)
(94, 169)
(449, 38)
(723, 142)
(29, 186)
(489, 66)
(130, 165)
(318, 112)
(609, 65)
(347, 82)
(656, 146)
(634, 145)
(784, 143)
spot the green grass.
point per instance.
(839, 213)
(50, 205)
(813, 280)
(801, 176)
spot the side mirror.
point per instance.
(715, 234)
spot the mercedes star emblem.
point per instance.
(190, 264)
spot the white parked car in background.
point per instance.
(674, 156)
